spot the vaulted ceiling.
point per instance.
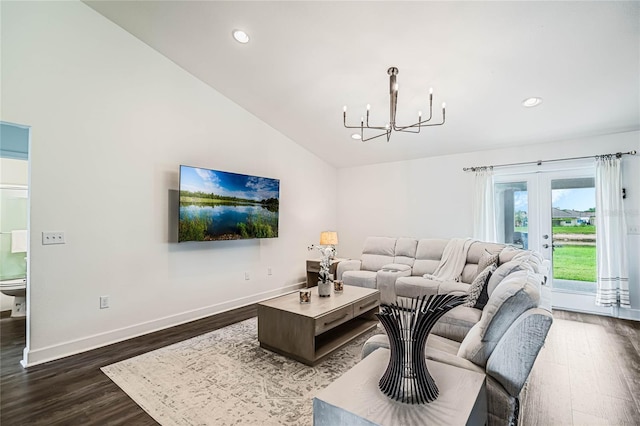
(305, 60)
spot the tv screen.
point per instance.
(216, 205)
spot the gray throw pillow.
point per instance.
(477, 286)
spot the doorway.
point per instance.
(14, 233)
(553, 212)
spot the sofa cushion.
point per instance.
(503, 271)
(532, 258)
(377, 251)
(507, 254)
(395, 267)
(448, 287)
(456, 323)
(360, 278)
(375, 262)
(428, 254)
(405, 252)
(478, 288)
(444, 350)
(374, 342)
(479, 248)
(416, 286)
(516, 294)
(479, 253)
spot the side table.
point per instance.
(313, 268)
(355, 398)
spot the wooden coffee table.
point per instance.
(310, 332)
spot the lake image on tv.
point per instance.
(217, 205)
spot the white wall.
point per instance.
(431, 197)
(12, 172)
(111, 122)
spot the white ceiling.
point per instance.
(306, 60)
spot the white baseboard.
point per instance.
(629, 314)
(73, 347)
(585, 303)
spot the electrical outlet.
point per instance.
(269, 271)
(104, 302)
(634, 229)
(246, 275)
(56, 237)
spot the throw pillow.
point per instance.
(484, 294)
(478, 285)
(487, 259)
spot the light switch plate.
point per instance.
(56, 237)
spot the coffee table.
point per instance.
(310, 332)
(355, 399)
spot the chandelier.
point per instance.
(392, 125)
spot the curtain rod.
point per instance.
(539, 162)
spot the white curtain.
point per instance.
(484, 223)
(611, 235)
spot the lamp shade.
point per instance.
(328, 238)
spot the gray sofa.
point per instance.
(501, 340)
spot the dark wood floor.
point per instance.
(587, 373)
(73, 390)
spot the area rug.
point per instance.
(226, 378)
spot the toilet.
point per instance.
(18, 289)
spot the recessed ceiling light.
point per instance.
(241, 36)
(356, 136)
(531, 102)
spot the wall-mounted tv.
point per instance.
(217, 205)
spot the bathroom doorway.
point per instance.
(14, 236)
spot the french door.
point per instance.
(553, 212)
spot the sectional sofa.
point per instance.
(500, 339)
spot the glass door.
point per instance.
(553, 212)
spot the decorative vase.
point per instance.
(408, 325)
(324, 288)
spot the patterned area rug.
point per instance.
(226, 378)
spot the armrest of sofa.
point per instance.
(347, 265)
(512, 360)
(386, 281)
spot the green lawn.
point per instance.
(583, 229)
(575, 263)
(571, 262)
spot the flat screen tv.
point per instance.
(217, 205)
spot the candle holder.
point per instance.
(408, 325)
(305, 296)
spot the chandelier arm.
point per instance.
(377, 136)
(366, 127)
(421, 122)
(405, 129)
(362, 126)
(418, 126)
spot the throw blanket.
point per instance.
(453, 260)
